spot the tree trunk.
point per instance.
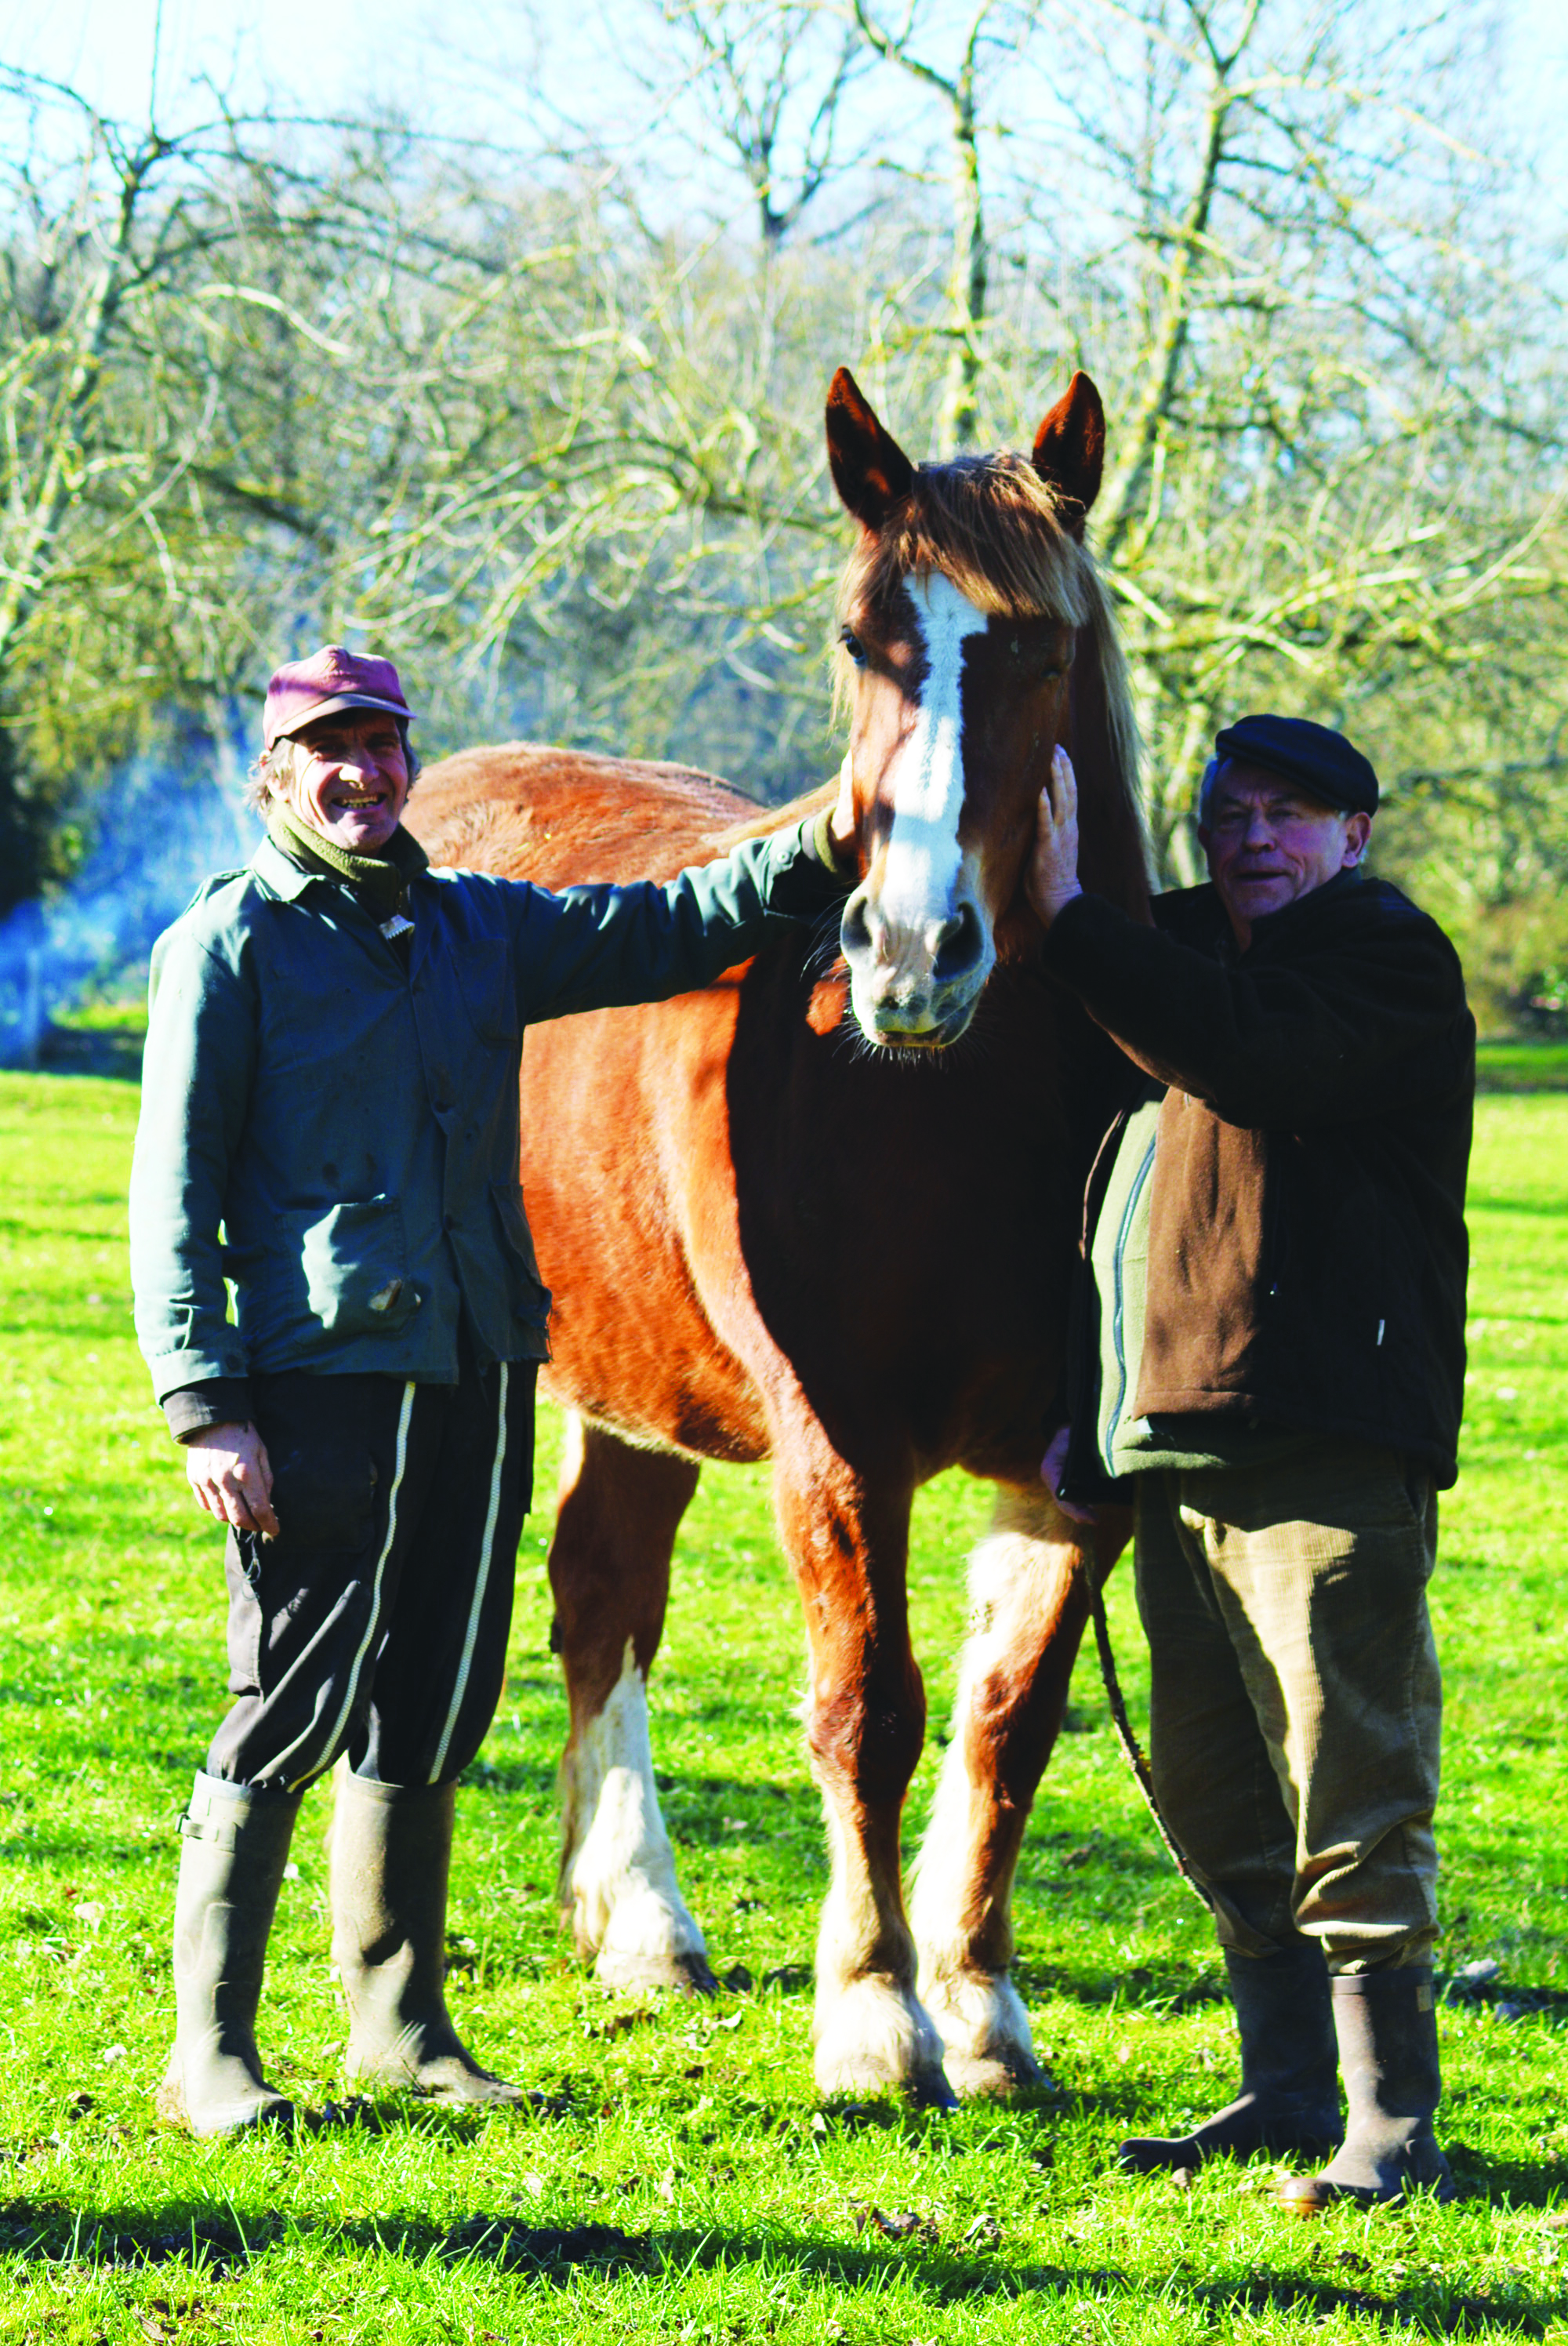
(967, 284)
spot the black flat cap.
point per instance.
(1318, 759)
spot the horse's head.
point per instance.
(965, 607)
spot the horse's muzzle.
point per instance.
(914, 985)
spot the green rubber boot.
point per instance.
(391, 1850)
(235, 1847)
(1387, 2026)
(1289, 2097)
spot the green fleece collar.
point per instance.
(381, 880)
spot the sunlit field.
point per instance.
(680, 2181)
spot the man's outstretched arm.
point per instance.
(592, 948)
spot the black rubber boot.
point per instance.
(391, 1850)
(235, 1847)
(1387, 2026)
(1289, 2097)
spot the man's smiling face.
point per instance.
(1268, 841)
(350, 779)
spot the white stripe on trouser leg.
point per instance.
(482, 1581)
(370, 1626)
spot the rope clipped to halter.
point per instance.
(1132, 1748)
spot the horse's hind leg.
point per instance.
(1029, 1608)
(616, 1518)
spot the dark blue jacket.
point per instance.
(329, 1121)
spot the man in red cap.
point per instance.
(1278, 1262)
(330, 1128)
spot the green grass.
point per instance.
(1511, 1063)
(728, 2207)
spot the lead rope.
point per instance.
(1131, 1748)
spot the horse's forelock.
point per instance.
(1013, 545)
(992, 525)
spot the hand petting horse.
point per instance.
(825, 1212)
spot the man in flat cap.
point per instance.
(1274, 1355)
(329, 1126)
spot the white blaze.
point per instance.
(920, 876)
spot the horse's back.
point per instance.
(528, 812)
(627, 1178)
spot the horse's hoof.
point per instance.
(873, 2037)
(988, 2051)
(980, 2077)
(931, 2091)
(927, 2089)
(690, 1974)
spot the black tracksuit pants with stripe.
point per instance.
(376, 1622)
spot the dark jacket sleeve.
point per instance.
(196, 1090)
(217, 1400)
(1359, 1010)
(592, 948)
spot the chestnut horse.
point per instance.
(826, 1213)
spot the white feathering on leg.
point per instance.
(618, 1869)
(989, 2045)
(870, 2035)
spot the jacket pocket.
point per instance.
(530, 1296)
(352, 1261)
(485, 974)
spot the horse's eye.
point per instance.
(853, 645)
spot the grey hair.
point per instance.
(1205, 787)
(275, 768)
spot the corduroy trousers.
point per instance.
(1297, 1702)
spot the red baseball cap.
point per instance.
(331, 680)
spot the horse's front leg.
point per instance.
(865, 1721)
(1029, 1605)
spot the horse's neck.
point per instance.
(1047, 1040)
(1112, 857)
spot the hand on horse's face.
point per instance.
(231, 1475)
(1052, 878)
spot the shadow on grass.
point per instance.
(1543, 1210)
(695, 1804)
(1480, 2177)
(1170, 1990)
(224, 2246)
(112, 1051)
(1510, 2002)
(1139, 1989)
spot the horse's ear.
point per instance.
(871, 471)
(1070, 446)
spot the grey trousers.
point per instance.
(1297, 1700)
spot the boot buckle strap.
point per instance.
(211, 1829)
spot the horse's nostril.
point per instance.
(959, 946)
(855, 928)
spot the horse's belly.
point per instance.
(632, 1205)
